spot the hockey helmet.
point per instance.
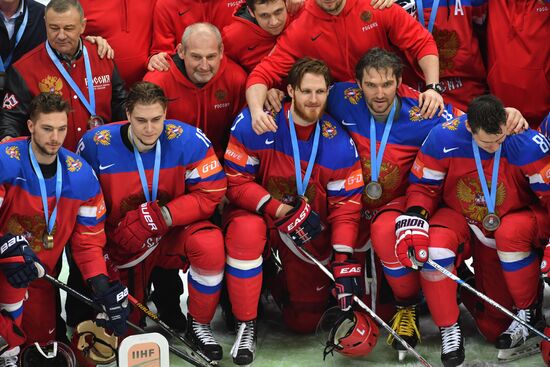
(51, 354)
(545, 348)
(352, 333)
(409, 6)
(93, 346)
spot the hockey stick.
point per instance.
(369, 311)
(487, 299)
(191, 359)
(194, 353)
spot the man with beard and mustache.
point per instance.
(48, 196)
(293, 182)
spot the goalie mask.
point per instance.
(52, 354)
(93, 346)
(351, 333)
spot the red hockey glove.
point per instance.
(545, 263)
(18, 261)
(301, 224)
(138, 226)
(347, 276)
(411, 247)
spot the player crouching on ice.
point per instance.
(48, 196)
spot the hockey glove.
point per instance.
(412, 239)
(301, 224)
(138, 226)
(545, 263)
(347, 276)
(113, 297)
(18, 261)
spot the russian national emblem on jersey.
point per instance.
(51, 84)
(389, 178)
(284, 189)
(353, 95)
(13, 152)
(414, 114)
(448, 44)
(30, 227)
(451, 125)
(173, 131)
(73, 165)
(102, 137)
(468, 191)
(328, 130)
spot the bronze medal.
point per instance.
(374, 190)
(491, 222)
(95, 121)
(47, 239)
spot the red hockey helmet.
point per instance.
(545, 347)
(353, 333)
(51, 354)
(93, 346)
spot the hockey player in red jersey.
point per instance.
(48, 196)
(508, 219)
(285, 187)
(172, 184)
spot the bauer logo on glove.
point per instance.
(301, 224)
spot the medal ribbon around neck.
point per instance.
(90, 105)
(433, 13)
(490, 197)
(50, 222)
(141, 170)
(376, 158)
(301, 185)
(4, 64)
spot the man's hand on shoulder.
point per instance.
(159, 62)
(429, 102)
(515, 122)
(381, 4)
(103, 47)
(262, 122)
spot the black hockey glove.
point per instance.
(113, 297)
(18, 261)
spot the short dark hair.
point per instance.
(307, 65)
(252, 3)
(145, 93)
(47, 103)
(61, 6)
(379, 59)
(486, 113)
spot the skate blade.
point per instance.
(522, 351)
(401, 355)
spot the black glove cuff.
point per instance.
(99, 284)
(418, 211)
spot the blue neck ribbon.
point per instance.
(4, 64)
(156, 170)
(301, 185)
(376, 158)
(433, 13)
(490, 197)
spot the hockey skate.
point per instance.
(201, 336)
(244, 348)
(517, 342)
(9, 358)
(405, 324)
(452, 346)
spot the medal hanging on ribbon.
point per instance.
(374, 188)
(47, 237)
(491, 221)
(89, 103)
(301, 184)
(141, 170)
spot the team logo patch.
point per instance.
(173, 131)
(220, 95)
(13, 152)
(328, 130)
(448, 44)
(10, 101)
(73, 165)
(470, 195)
(353, 95)
(366, 16)
(30, 227)
(414, 114)
(284, 189)
(102, 137)
(451, 125)
(51, 84)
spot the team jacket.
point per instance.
(518, 54)
(173, 16)
(128, 26)
(347, 104)
(341, 40)
(80, 211)
(260, 166)
(445, 171)
(35, 73)
(191, 179)
(461, 69)
(245, 42)
(211, 107)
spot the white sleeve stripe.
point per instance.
(536, 178)
(336, 185)
(87, 211)
(431, 174)
(252, 161)
(1, 201)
